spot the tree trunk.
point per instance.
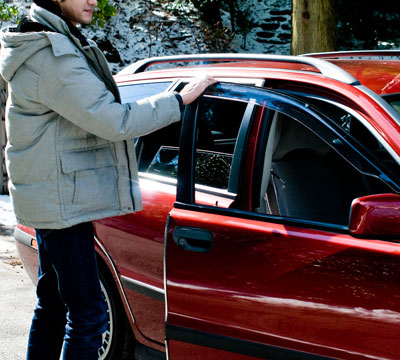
(233, 15)
(313, 26)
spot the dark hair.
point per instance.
(51, 6)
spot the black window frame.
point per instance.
(187, 151)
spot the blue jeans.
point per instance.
(71, 312)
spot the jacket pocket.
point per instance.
(89, 180)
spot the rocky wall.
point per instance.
(271, 27)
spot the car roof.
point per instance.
(377, 70)
(207, 61)
(361, 76)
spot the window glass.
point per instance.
(165, 162)
(135, 92)
(157, 152)
(304, 178)
(358, 133)
(212, 168)
(346, 121)
(352, 127)
(218, 123)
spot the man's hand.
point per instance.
(195, 88)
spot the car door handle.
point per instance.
(193, 239)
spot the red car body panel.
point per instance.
(306, 290)
(370, 210)
(380, 77)
(298, 292)
(136, 244)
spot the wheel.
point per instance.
(117, 339)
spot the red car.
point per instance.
(271, 219)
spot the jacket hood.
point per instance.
(17, 47)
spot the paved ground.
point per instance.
(17, 300)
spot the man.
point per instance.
(71, 160)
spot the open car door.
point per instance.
(259, 260)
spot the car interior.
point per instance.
(218, 123)
(303, 177)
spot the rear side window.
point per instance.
(211, 168)
(218, 123)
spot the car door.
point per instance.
(135, 242)
(275, 273)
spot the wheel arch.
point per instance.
(109, 270)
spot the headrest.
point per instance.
(291, 135)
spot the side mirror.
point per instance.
(376, 216)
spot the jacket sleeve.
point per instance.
(68, 87)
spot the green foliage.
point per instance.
(103, 13)
(8, 12)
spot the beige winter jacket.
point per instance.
(70, 152)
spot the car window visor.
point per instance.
(303, 112)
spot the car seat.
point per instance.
(308, 180)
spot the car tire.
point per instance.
(117, 339)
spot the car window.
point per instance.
(135, 92)
(301, 165)
(354, 128)
(218, 123)
(152, 149)
(356, 132)
(304, 177)
(217, 126)
(212, 167)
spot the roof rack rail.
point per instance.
(324, 67)
(355, 54)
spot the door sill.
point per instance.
(143, 352)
